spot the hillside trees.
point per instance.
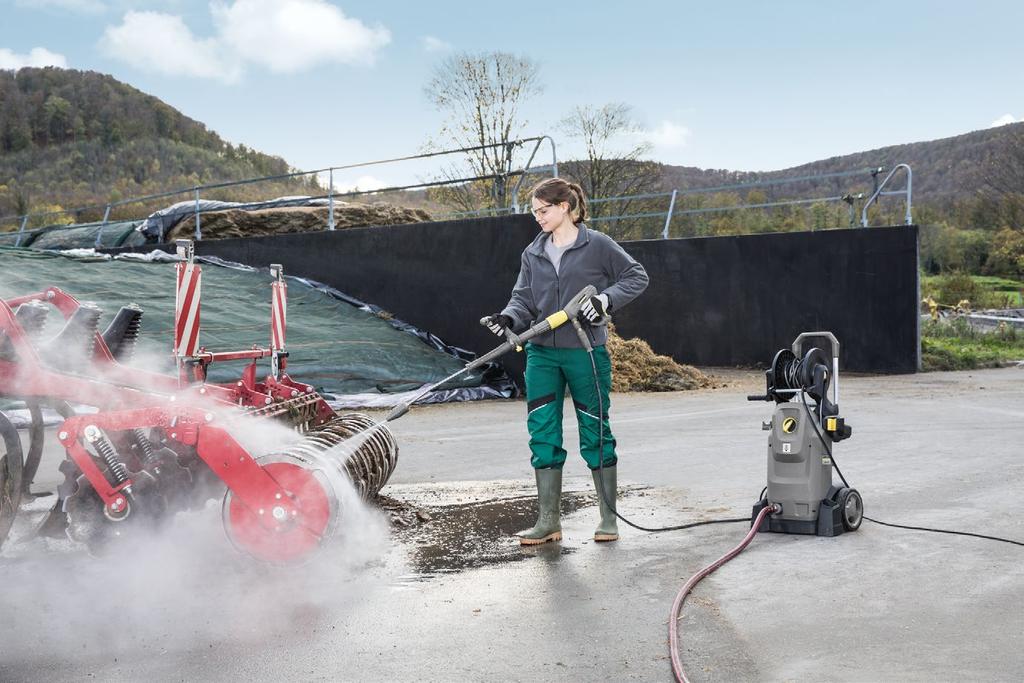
(74, 138)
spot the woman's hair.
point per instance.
(556, 191)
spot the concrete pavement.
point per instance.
(454, 598)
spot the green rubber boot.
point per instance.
(549, 496)
(608, 529)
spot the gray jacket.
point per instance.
(593, 259)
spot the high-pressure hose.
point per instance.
(677, 605)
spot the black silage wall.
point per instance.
(711, 301)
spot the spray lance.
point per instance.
(512, 341)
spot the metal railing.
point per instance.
(849, 198)
(665, 216)
(647, 214)
(195, 192)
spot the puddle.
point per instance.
(452, 528)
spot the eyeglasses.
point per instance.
(538, 212)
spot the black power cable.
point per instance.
(828, 450)
(945, 531)
(600, 469)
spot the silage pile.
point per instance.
(635, 367)
(290, 219)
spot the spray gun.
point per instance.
(512, 341)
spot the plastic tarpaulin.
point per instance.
(78, 236)
(15, 239)
(338, 345)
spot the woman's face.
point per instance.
(550, 216)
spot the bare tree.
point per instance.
(482, 95)
(613, 165)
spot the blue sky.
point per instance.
(737, 85)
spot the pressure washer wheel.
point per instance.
(852, 506)
(285, 541)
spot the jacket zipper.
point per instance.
(558, 294)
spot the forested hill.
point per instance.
(80, 138)
(945, 170)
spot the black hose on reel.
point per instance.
(790, 376)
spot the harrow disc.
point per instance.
(263, 535)
(90, 523)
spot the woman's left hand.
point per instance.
(595, 309)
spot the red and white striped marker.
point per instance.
(278, 309)
(278, 318)
(186, 302)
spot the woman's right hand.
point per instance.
(497, 323)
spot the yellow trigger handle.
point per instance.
(556, 319)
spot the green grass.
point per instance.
(1013, 289)
(955, 345)
(983, 291)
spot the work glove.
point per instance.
(595, 309)
(497, 323)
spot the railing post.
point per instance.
(99, 235)
(879, 191)
(21, 230)
(199, 232)
(668, 218)
(909, 219)
(330, 199)
(554, 157)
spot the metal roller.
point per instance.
(368, 449)
(354, 444)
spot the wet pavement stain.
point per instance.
(446, 538)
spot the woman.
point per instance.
(564, 258)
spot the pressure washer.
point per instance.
(800, 444)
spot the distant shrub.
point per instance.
(956, 287)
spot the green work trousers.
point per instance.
(548, 372)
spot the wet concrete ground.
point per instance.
(446, 594)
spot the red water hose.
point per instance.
(673, 628)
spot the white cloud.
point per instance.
(284, 36)
(37, 56)
(666, 135)
(291, 35)
(432, 44)
(364, 183)
(81, 6)
(1003, 120)
(162, 43)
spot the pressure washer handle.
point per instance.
(549, 323)
(571, 310)
(555, 320)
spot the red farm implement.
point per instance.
(142, 446)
